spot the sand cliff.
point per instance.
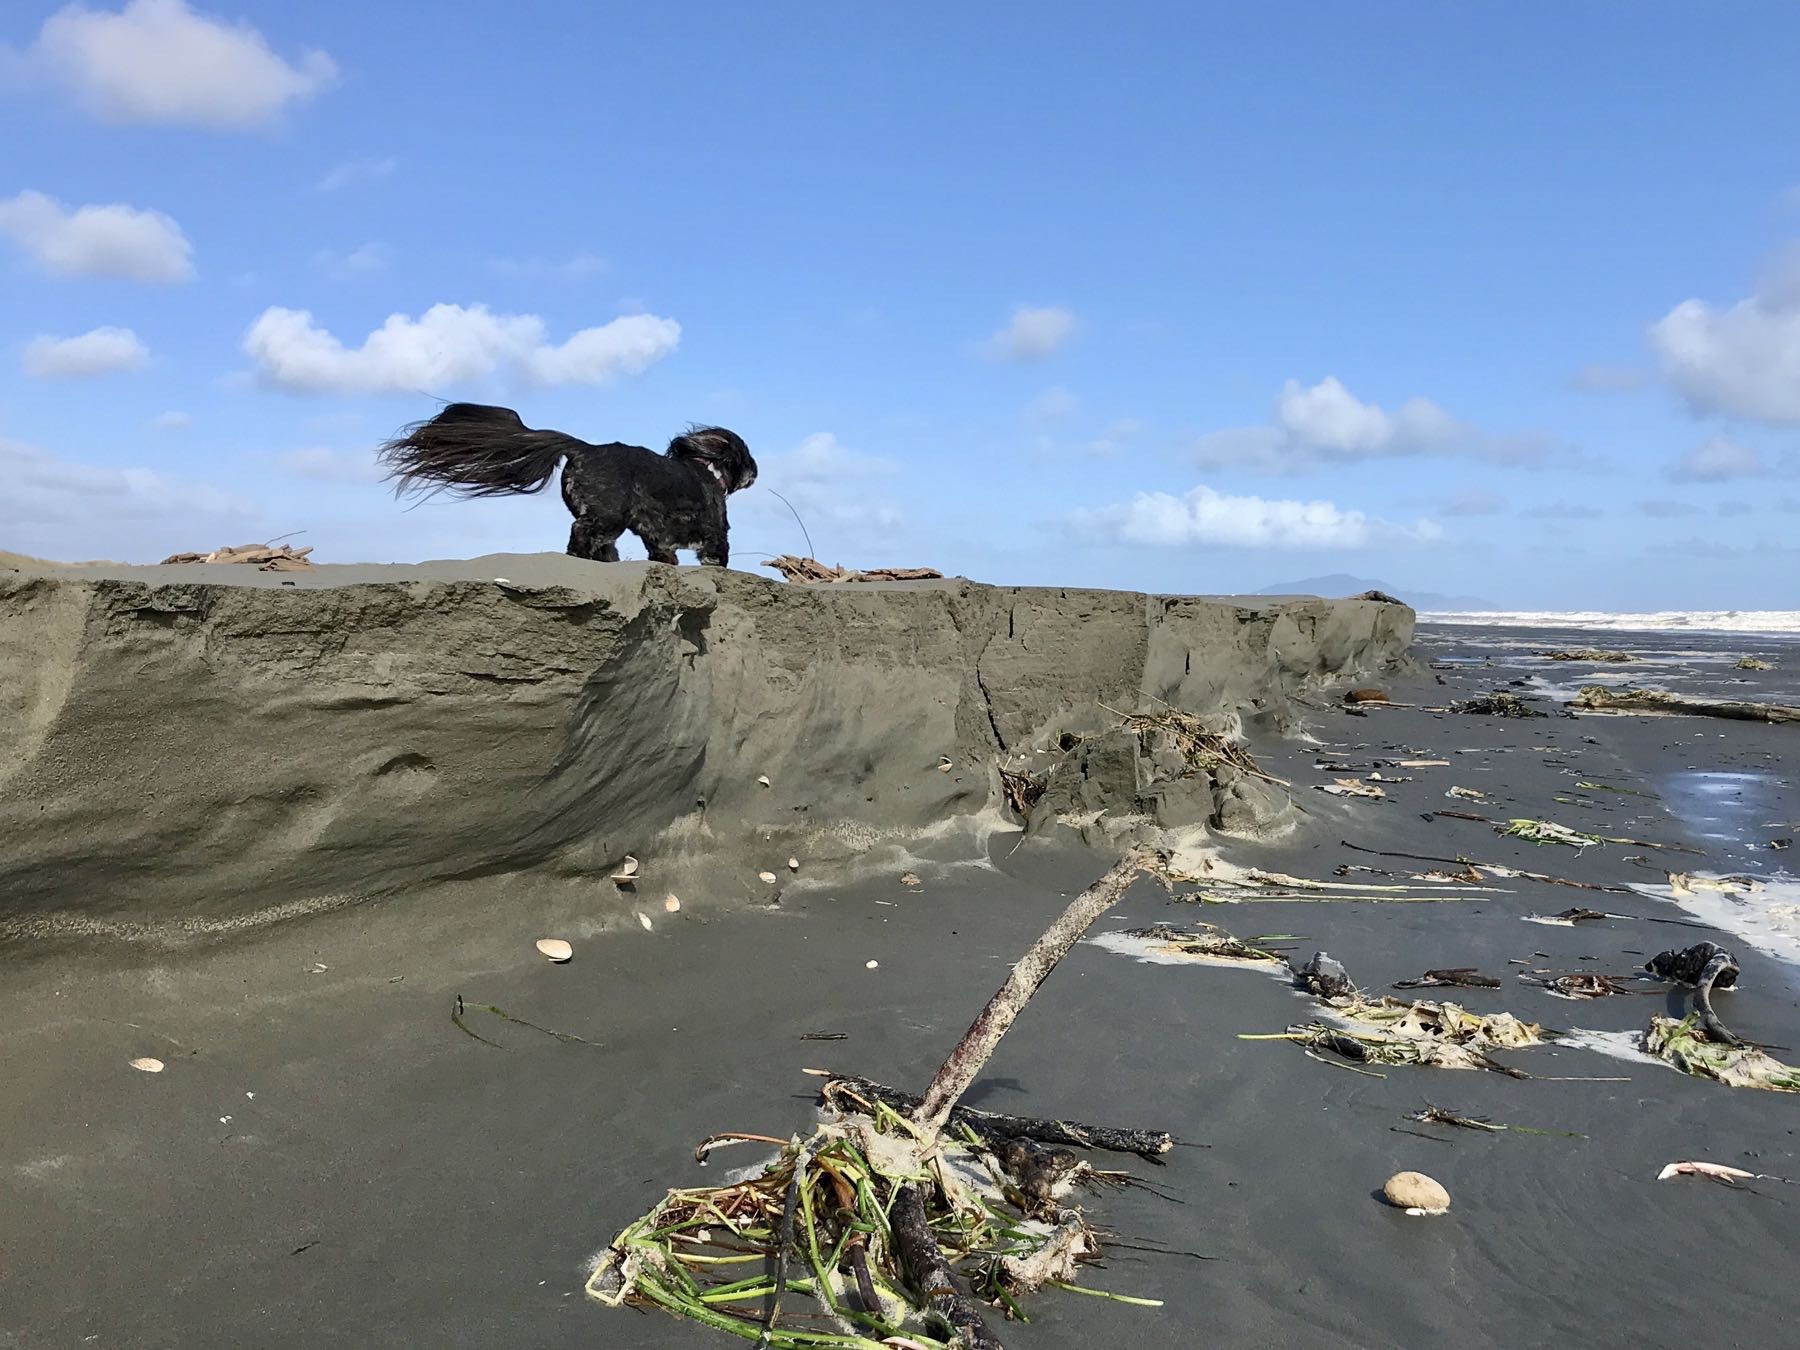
(186, 750)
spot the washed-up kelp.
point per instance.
(1392, 1031)
(881, 1214)
(1685, 1045)
(1206, 943)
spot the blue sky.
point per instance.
(1497, 299)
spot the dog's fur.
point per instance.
(669, 501)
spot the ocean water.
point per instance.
(1774, 621)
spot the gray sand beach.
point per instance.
(328, 1159)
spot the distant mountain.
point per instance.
(1340, 584)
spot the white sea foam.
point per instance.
(1662, 621)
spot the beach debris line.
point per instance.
(1416, 1193)
(899, 1217)
(263, 557)
(1753, 663)
(1581, 984)
(1591, 655)
(1598, 698)
(1498, 705)
(1549, 832)
(812, 572)
(1022, 790)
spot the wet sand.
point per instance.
(328, 1159)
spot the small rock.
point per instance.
(147, 1065)
(1416, 1193)
(767, 878)
(909, 879)
(763, 779)
(870, 965)
(556, 949)
(793, 864)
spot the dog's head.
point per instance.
(720, 452)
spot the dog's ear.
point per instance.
(717, 446)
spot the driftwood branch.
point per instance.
(978, 1042)
(996, 1128)
(930, 1275)
(1599, 697)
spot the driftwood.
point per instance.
(810, 571)
(997, 1128)
(930, 1275)
(1598, 698)
(984, 1033)
(263, 557)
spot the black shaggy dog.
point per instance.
(669, 501)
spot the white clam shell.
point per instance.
(145, 1064)
(555, 949)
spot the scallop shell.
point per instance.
(556, 949)
(672, 903)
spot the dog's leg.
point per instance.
(714, 553)
(655, 548)
(586, 540)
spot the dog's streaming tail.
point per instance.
(474, 450)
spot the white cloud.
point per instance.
(1717, 460)
(1208, 518)
(577, 267)
(115, 241)
(172, 420)
(357, 262)
(1667, 509)
(1031, 334)
(352, 171)
(1327, 424)
(98, 352)
(332, 466)
(58, 508)
(448, 345)
(158, 61)
(1743, 361)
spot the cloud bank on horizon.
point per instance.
(1046, 333)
